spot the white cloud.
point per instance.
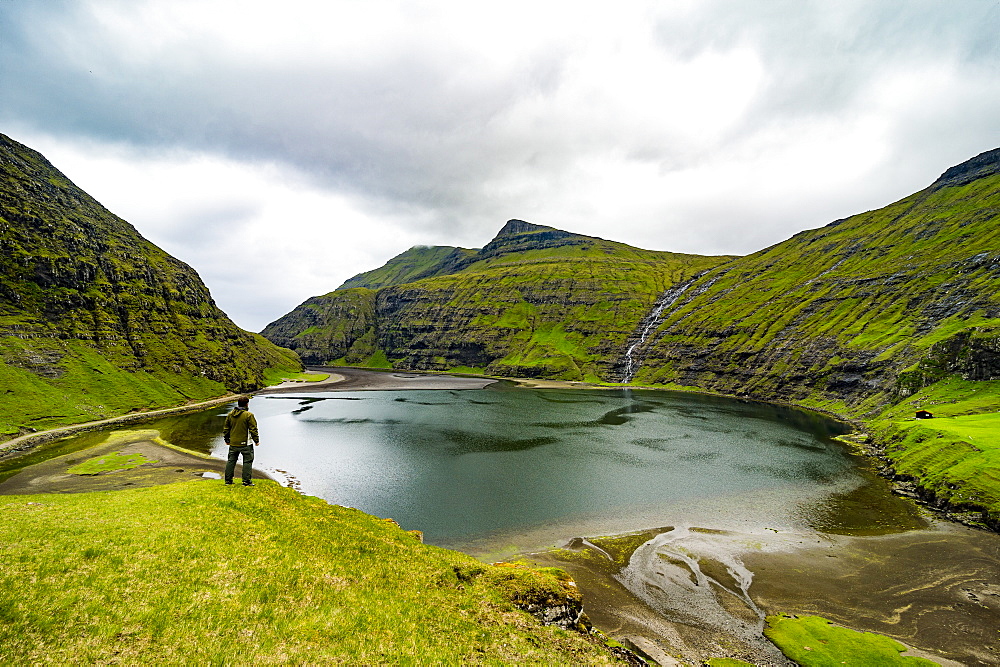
(333, 135)
(262, 237)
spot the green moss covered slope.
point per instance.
(416, 263)
(534, 302)
(873, 317)
(854, 316)
(97, 321)
(201, 573)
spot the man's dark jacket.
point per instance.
(239, 424)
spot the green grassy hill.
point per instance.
(201, 573)
(854, 316)
(416, 263)
(535, 302)
(97, 321)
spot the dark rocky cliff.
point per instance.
(521, 236)
(982, 166)
(338, 325)
(96, 320)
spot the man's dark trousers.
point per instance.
(234, 453)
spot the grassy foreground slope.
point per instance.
(953, 460)
(97, 321)
(198, 572)
(534, 302)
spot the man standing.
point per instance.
(240, 426)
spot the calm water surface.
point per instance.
(467, 465)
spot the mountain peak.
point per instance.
(514, 227)
(981, 166)
(520, 236)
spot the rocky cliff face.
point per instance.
(520, 236)
(336, 326)
(534, 302)
(850, 316)
(96, 320)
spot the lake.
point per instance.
(739, 509)
(509, 467)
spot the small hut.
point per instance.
(924, 414)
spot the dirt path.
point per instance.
(26, 442)
(166, 464)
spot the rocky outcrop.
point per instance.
(520, 236)
(96, 320)
(551, 596)
(983, 165)
(972, 354)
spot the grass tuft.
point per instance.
(813, 641)
(109, 463)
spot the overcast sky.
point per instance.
(316, 140)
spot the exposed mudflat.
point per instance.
(937, 589)
(690, 593)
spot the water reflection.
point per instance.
(464, 465)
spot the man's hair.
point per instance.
(243, 401)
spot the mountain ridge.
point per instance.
(845, 317)
(985, 164)
(543, 291)
(854, 307)
(421, 262)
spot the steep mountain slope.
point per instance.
(534, 302)
(94, 319)
(852, 316)
(416, 263)
(335, 327)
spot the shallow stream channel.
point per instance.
(685, 519)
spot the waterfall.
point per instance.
(666, 300)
